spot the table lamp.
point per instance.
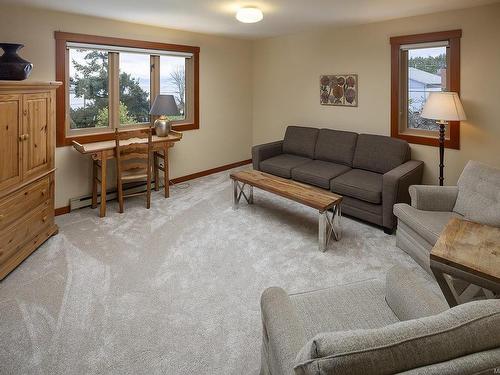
(163, 106)
(443, 106)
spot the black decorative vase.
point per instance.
(12, 67)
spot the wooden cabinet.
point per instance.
(27, 147)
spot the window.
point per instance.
(110, 83)
(422, 64)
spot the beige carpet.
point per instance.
(174, 289)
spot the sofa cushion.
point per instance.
(336, 146)
(318, 172)
(359, 184)
(428, 224)
(463, 330)
(479, 194)
(300, 140)
(282, 165)
(378, 153)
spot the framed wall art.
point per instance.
(339, 90)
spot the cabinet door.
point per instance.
(37, 137)
(10, 145)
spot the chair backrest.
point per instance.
(478, 197)
(133, 150)
(450, 336)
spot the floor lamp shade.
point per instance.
(443, 106)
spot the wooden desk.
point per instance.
(470, 252)
(102, 151)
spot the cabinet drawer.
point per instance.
(24, 230)
(23, 201)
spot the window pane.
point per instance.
(173, 82)
(88, 89)
(135, 80)
(427, 71)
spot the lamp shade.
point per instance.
(164, 105)
(445, 106)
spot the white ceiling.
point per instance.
(280, 16)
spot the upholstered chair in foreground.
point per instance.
(476, 197)
(372, 327)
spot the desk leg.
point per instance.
(155, 171)
(95, 172)
(104, 164)
(166, 180)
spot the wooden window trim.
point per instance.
(453, 38)
(61, 75)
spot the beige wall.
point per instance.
(257, 88)
(225, 97)
(287, 70)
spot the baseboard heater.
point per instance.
(86, 200)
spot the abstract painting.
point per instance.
(339, 89)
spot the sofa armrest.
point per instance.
(265, 151)
(283, 332)
(433, 198)
(395, 188)
(410, 296)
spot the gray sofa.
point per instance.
(476, 197)
(375, 328)
(371, 172)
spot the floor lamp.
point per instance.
(443, 106)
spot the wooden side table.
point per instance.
(470, 252)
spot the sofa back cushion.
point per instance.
(378, 153)
(465, 329)
(479, 194)
(336, 146)
(300, 140)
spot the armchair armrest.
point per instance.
(283, 332)
(410, 296)
(395, 188)
(433, 198)
(265, 151)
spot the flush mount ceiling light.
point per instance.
(249, 15)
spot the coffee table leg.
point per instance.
(327, 225)
(250, 195)
(236, 198)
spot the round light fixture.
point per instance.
(249, 15)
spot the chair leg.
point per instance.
(120, 195)
(166, 180)
(95, 171)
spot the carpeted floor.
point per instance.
(174, 289)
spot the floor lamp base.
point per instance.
(442, 130)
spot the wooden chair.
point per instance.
(133, 161)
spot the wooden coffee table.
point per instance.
(470, 252)
(319, 199)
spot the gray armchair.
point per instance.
(372, 327)
(476, 197)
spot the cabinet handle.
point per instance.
(43, 192)
(26, 136)
(21, 137)
(44, 219)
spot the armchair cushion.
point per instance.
(378, 153)
(428, 224)
(318, 172)
(472, 327)
(479, 194)
(360, 184)
(283, 164)
(411, 296)
(433, 198)
(300, 140)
